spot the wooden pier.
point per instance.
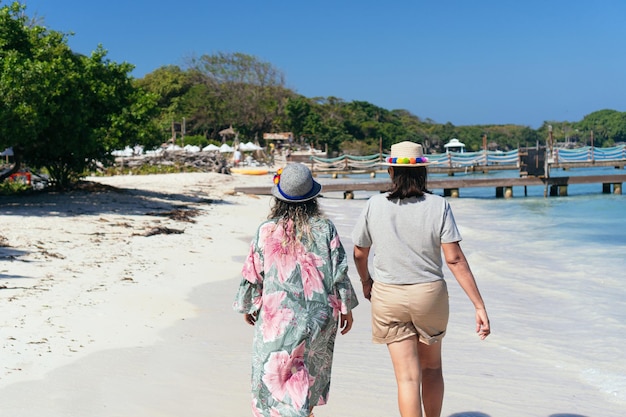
(452, 170)
(553, 186)
(431, 170)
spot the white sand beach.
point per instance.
(117, 302)
(99, 317)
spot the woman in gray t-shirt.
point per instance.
(407, 229)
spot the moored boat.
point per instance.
(250, 170)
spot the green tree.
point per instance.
(297, 114)
(251, 93)
(608, 127)
(62, 110)
(178, 95)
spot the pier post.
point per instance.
(554, 190)
(606, 188)
(617, 188)
(504, 192)
(485, 153)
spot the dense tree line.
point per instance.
(222, 90)
(63, 111)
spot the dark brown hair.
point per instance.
(408, 182)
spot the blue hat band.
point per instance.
(298, 197)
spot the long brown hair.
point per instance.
(298, 213)
(408, 182)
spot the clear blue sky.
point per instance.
(464, 62)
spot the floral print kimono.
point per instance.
(299, 290)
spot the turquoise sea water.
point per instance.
(553, 274)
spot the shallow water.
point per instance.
(551, 271)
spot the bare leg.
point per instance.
(432, 378)
(406, 365)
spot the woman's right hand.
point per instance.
(367, 288)
(250, 318)
(345, 322)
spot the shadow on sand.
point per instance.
(91, 198)
(94, 198)
(479, 414)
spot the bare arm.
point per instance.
(456, 261)
(360, 261)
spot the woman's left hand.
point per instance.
(483, 327)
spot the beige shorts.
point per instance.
(401, 311)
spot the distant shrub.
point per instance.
(196, 140)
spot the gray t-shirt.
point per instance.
(406, 236)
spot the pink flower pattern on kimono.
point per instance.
(335, 242)
(286, 374)
(279, 251)
(252, 268)
(312, 279)
(336, 305)
(275, 317)
(255, 410)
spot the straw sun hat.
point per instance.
(406, 154)
(294, 184)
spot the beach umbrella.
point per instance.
(226, 148)
(192, 148)
(7, 152)
(244, 147)
(127, 151)
(210, 148)
(226, 132)
(172, 147)
(249, 146)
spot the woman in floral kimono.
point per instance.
(296, 292)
